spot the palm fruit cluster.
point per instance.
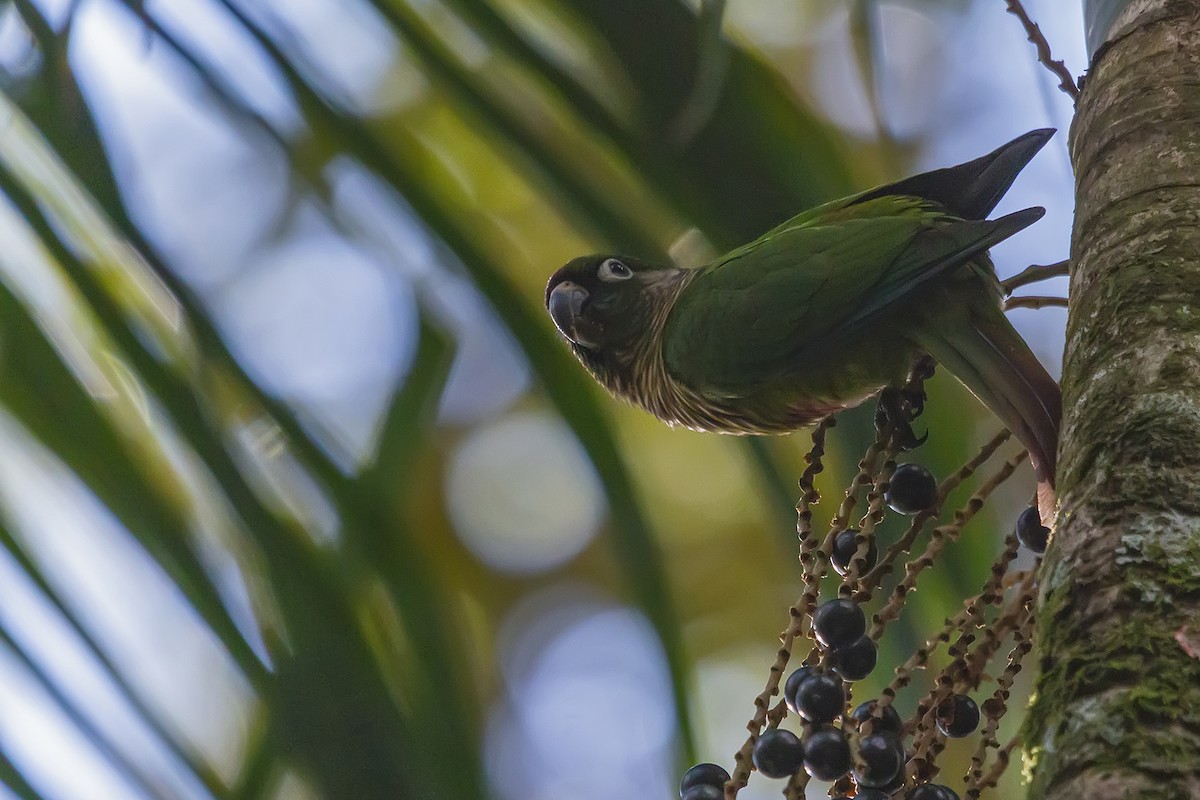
(865, 748)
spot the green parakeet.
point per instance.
(823, 312)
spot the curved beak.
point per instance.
(566, 305)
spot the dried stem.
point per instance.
(1035, 273)
(1013, 618)
(1034, 301)
(939, 538)
(813, 559)
(965, 673)
(1003, 756)
(1058, 68)
(796, 786)
(866, 526)
(884, 567)
(996, 707)
(809, 496)
(970, 651)
(968, 671)
(920, 658)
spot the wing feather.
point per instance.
(814, 282)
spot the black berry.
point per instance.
(703, 775)
(1031, 532)
(867, 794)
(778, 753)
(887, 720)
(931, 791)
(827, 754)
(896, 785)
(820, 698)
(856, 660)
(839, 622)
(880, 759)
(844, 549)
(704, 792)
(957, 716)
(913, 488)
(793, 683)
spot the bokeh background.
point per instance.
(301, 495)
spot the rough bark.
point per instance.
(1117, 711)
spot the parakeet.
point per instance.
(822, 312)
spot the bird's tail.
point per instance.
(989, 357)
(973, 189)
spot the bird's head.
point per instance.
(606, 306)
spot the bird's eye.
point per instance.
(612, 271)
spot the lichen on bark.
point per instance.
(1117, 709)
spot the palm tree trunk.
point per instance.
(1117, 710)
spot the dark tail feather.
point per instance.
(973, 189)
(989, 357)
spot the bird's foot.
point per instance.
(913, 396)
(896, 410)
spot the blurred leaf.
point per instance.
(260, 767)
(567, 386)
(759, 159)
(325, 639)
(126, 764)
(780, 490)
(45, 397)
(170, 738)
(54, 101)
(14, 781)
(439, 695)
(713, 58)
(411, 413)
(868, 53)
(585, 203)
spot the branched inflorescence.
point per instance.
(865, 749)
(1066, 82)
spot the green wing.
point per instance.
(813, 284)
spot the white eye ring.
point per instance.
(612, 271)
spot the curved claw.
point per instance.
(897, 408)
(910, 441)
(915, 398)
